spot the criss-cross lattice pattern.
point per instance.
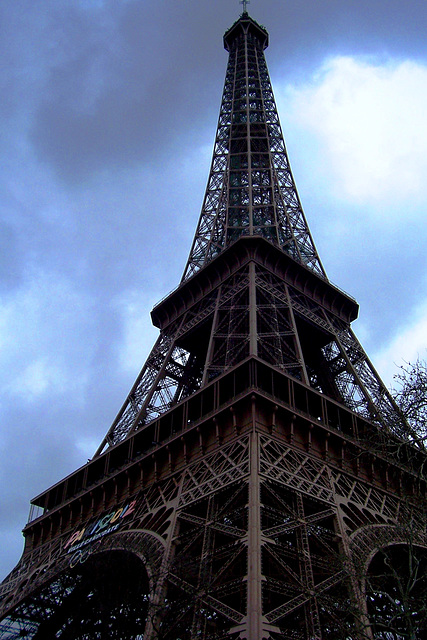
(251, 190)
(255, 312)
(252, 312)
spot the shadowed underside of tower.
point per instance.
(256, 467)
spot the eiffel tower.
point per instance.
(257, 466)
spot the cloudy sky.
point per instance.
(108, 113)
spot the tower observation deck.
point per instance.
(257, 469)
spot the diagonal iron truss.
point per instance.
(251, 190)
(253, 311)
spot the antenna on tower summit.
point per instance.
(245, 5)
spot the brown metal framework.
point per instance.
(251, 190)
(251, 194)
(256, 467)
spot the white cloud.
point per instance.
(36, 323)
(368, 123)
(86, 445)
(407, 345)
(139, 334)
(39, 376)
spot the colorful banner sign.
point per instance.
(99, 528)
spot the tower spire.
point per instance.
(251, 189)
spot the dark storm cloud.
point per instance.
(309, 29)
(104, 105)
(129, 78)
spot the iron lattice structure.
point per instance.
(257, 467)
(251, 194)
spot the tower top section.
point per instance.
(244, 26)
(251, 190)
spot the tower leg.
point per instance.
(254, 586)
